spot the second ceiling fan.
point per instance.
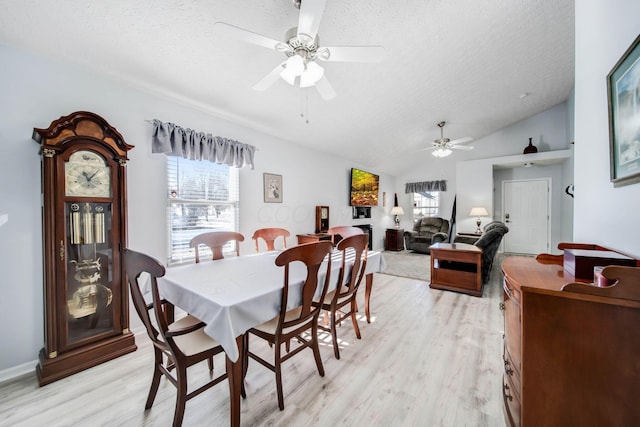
(302, 49)
(443, 146)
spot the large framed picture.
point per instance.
(623, 90)
(272, 188)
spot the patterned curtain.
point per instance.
(424, 186)
(172, 140)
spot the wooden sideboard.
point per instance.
(571, 349)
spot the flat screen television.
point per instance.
(364, 188)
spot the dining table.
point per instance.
(232, 295)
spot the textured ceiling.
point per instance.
(465, 61)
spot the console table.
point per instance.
(456, 267)
(570, 349)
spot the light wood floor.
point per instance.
(429, 358)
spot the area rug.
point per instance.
(407, 264)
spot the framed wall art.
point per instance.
(623, 91)
(272, 188)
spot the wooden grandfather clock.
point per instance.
(84, 224)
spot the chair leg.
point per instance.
(278, 369)
(334, 334)
(316, 348)
(155, 382)
(245, 363)
(181, 398)
(354, 319)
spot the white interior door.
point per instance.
(526, 212)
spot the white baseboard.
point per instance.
(30, 367)
(18, 371)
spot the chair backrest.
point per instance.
(216, 240)
(269, 235)
(312, 256)
(135, 265)
(489, 243)
(431, 225)
(352, 247)
(344, 231)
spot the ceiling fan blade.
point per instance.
(325, 89)
(461, 147)
(310, 15)
(461, 140)
(369, 54)
(246, 35)
(433, 147)
(270, 78)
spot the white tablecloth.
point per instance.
(232, 295)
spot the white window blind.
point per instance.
(202, 196)
(426, 204)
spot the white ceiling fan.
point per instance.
(302, 49)
(443, 146)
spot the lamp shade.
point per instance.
(478, 212)
(397, 210)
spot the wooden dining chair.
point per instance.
(177, 345)
(343, 231)
(269, 235)
(352, 271)
(291, 324)
(216, 240)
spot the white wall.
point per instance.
(35, 91)
(603, 214)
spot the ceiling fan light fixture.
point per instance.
(441, 152)
(311, 75)
(292, 69)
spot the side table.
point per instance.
(394, 239)
(456, 267)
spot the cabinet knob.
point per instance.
(501, 306)
(506, 392)
(507, 368)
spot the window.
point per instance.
(426, 204)
(202, 196)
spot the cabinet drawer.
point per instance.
(511, 403)
(512, 325)
(511, 292)
(513, 371)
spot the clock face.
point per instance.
(324, 213)
(87, 175)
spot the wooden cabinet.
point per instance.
(394, 239)
(84, 218)
(456, 267)
(570, 349)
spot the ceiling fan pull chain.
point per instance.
(304, 97)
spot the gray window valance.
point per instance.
(421, 187)
(172, 140)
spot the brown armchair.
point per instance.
(426, 231)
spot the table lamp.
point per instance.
(478, 212)
(396, 210)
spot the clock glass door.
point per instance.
(89, 292)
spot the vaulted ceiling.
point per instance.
(468, 62)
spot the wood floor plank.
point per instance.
(428, 358)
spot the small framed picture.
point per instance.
(272, 188)
(623, 84)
